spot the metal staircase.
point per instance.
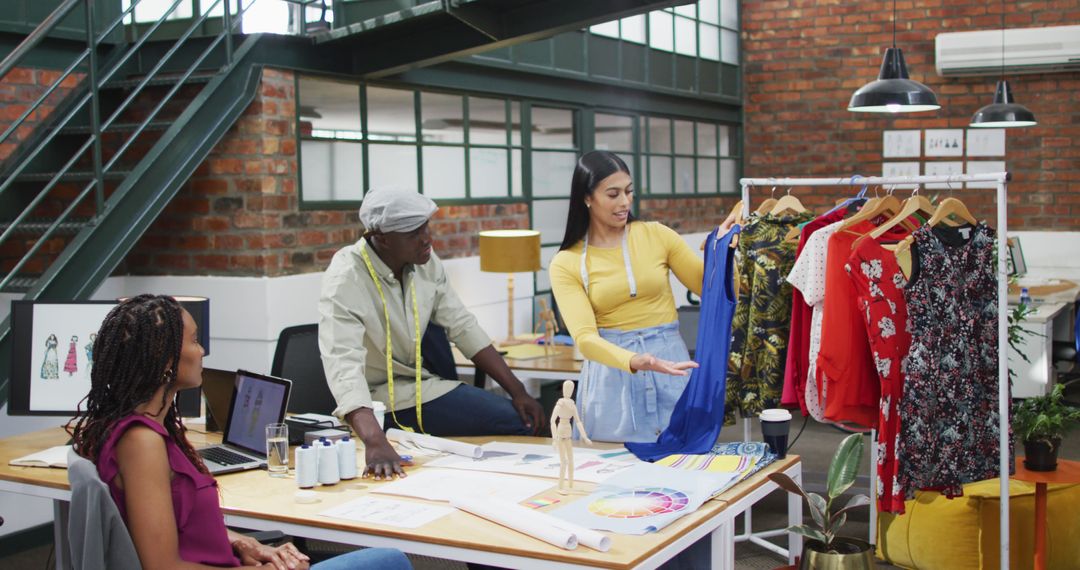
(78, 192)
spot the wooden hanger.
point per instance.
(873, 208)
(916, 203)
(735, 216)
(949, 208)
(787, 203)
(765, 206)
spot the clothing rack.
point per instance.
(1000, 180)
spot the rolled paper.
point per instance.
(437, 443)
(587, 536)
(516, 517)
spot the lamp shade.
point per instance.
(509, 251)
(893, 91)
(1004, 112)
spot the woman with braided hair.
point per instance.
(146, 350)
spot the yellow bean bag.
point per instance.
(936, 533)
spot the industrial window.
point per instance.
(688, 157)
(708, 30)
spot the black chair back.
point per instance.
(297, 358)
(435, 349)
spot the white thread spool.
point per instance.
(307, 467)
(346, 451)
(328, 463)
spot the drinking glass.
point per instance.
(277, 449)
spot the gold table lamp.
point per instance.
(509, 251)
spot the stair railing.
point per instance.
(95, 80)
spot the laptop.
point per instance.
(257, 400)
(217, 389)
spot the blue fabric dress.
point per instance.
(699, 414)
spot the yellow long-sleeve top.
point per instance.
(655, 249)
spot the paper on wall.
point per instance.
(444, 484)
(389, 512)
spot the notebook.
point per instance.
(257, 400)
(52, 457)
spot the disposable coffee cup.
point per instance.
(775, 425)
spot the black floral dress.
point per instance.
(762, 320)
(949, 409)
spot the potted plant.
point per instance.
(1040, 422)
(824, 549)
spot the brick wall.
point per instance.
(804, 58)
(239, 214)
(687, 215)
(18, 91)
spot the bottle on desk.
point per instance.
(1025, 297)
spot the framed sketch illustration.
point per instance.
(944, 168)
(944, 142)
(901, 169)
(986, 142)
(900, 144)
(52, 354)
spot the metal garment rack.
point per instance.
(1000, 180)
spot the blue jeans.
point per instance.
(464, 411)
(367, 559)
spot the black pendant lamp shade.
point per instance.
(1003, 112)
(893, 92)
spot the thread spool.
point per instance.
(307, 467)
(328, 463)
(346, 451)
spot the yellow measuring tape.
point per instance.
(389, 344)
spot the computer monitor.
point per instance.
(52, 355)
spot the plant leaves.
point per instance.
(788, 484)
(811, 533)
(818, 510)
(845, 465)
(855, 502)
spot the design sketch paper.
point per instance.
(645, 498)
(60, 368)
(900, 144)
(981, 167)
(387, 512)
(444, 484)
(986, 142)
(944, 142)
(944, 168)
(587, 467)
(900, 169)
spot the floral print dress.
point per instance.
(949, 433)
(879, 283)
(761, 324)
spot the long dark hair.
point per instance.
(592, 168)
(137, 350)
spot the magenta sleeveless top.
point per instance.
(199, 523)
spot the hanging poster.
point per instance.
(986, 142)
(944, 142)
(900, 144)
(944, 168)
(982, 167)
(900, 169)
(62, 353)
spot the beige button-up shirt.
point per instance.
(352, 329)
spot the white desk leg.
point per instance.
(795, 517)
(60, 535)
(723, 546)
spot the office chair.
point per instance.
(97, 535)
(297, 358)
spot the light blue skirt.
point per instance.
(618, 406)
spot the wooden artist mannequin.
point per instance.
(547, 320)
(563, 433)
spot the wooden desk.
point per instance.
(254, 500)
(531, 371)
(1067, 472)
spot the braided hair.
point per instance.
(136, 352)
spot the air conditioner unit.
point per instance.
(1027, 50)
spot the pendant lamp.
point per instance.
(1004, 112)
(893, 91)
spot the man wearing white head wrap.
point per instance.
(392, 275)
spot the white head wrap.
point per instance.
(395, 210)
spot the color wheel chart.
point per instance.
(639, 502)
